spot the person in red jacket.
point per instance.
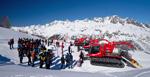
(62, 47)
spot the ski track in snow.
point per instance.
(143, 73)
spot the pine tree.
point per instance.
(5, 22)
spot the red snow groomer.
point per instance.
(80, 41)
(89, 43)
(107, 53)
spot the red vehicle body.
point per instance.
(106, 53)
(79, 41)
(96, 41)
(91, 42)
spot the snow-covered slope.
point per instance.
(5, 36)
(8, 34)
(9, 60)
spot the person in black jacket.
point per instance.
(71, 61)
(28, 54)
(21, 54)
(81, 58)
(62, 61)
(69, 49)
(11, 43)
(67, 60)
(48, 61)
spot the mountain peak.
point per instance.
(88, 26)
(114, 19)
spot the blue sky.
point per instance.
(27, 12)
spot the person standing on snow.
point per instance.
(27, 51)
(67, 60)
(49, 56)
(57, 43)
(34, 57)
(42, 56)
(81, 58)
(62, 47)
(69, 49)
(71, 61)
(21, 54)
(78, 48)
(10, 43)
(62, 62)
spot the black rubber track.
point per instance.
(108, 62)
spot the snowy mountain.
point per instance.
(9, 60)
(113, 25)
(112, 28)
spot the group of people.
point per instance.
(67, 61)
(35, 50)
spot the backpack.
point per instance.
(42, 56)
(8, 42)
